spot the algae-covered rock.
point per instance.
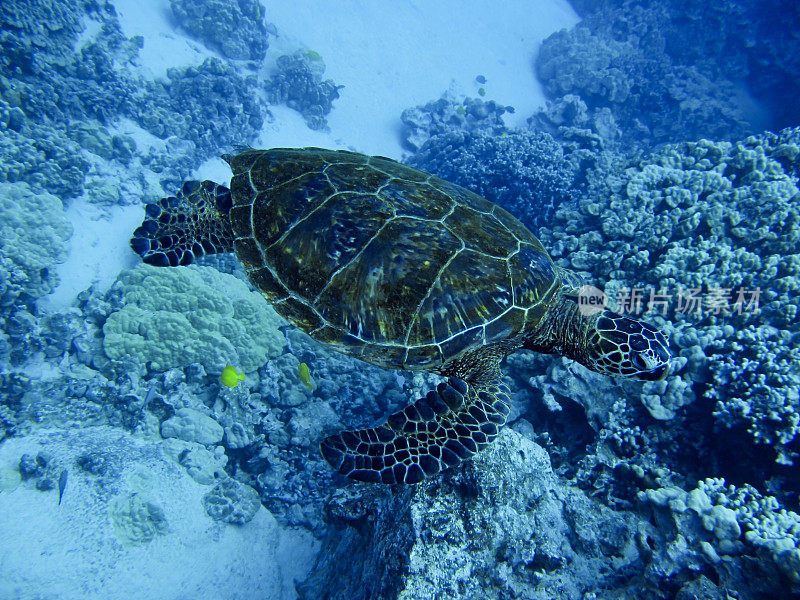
(503, 527)
(191, 425)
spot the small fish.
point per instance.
(62, 485)
(231, 377)
(305, 375)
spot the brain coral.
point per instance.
(175, 317)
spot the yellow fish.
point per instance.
(305, 375)
(231, 377)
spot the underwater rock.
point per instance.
(507, 526)
(503, 526)
(192, 426)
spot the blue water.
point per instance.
(160, 427)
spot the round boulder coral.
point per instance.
(34, 237)
(171, 318)
(231, 502)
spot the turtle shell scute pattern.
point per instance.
(385, 262)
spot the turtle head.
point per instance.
(621, 346)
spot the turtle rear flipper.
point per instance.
(178, 229)
(436, 432)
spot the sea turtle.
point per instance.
(404, 270)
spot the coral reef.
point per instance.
(231, 502)
(632, 91)
(49, 83)
(175, 317)
(42, 156)
(756, 383)
(715, 525)
(210, 106)
(525, 172)
(34, 237)
(505, 526)
(137, 520)
(54, 78)
(41, 469)
(297, 83)
(449, 114)
(744, 41)
(122, 392)
(236, 29)
(702, 216)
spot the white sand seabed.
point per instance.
(98, 250)
(87, 548)
(393, 55)
(164, 45)
(388, 55)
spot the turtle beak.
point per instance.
(658, 367)
(656, 374)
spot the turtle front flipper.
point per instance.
(436, 432)
(178, 229)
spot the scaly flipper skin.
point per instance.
(435, 433)
(181, 228)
